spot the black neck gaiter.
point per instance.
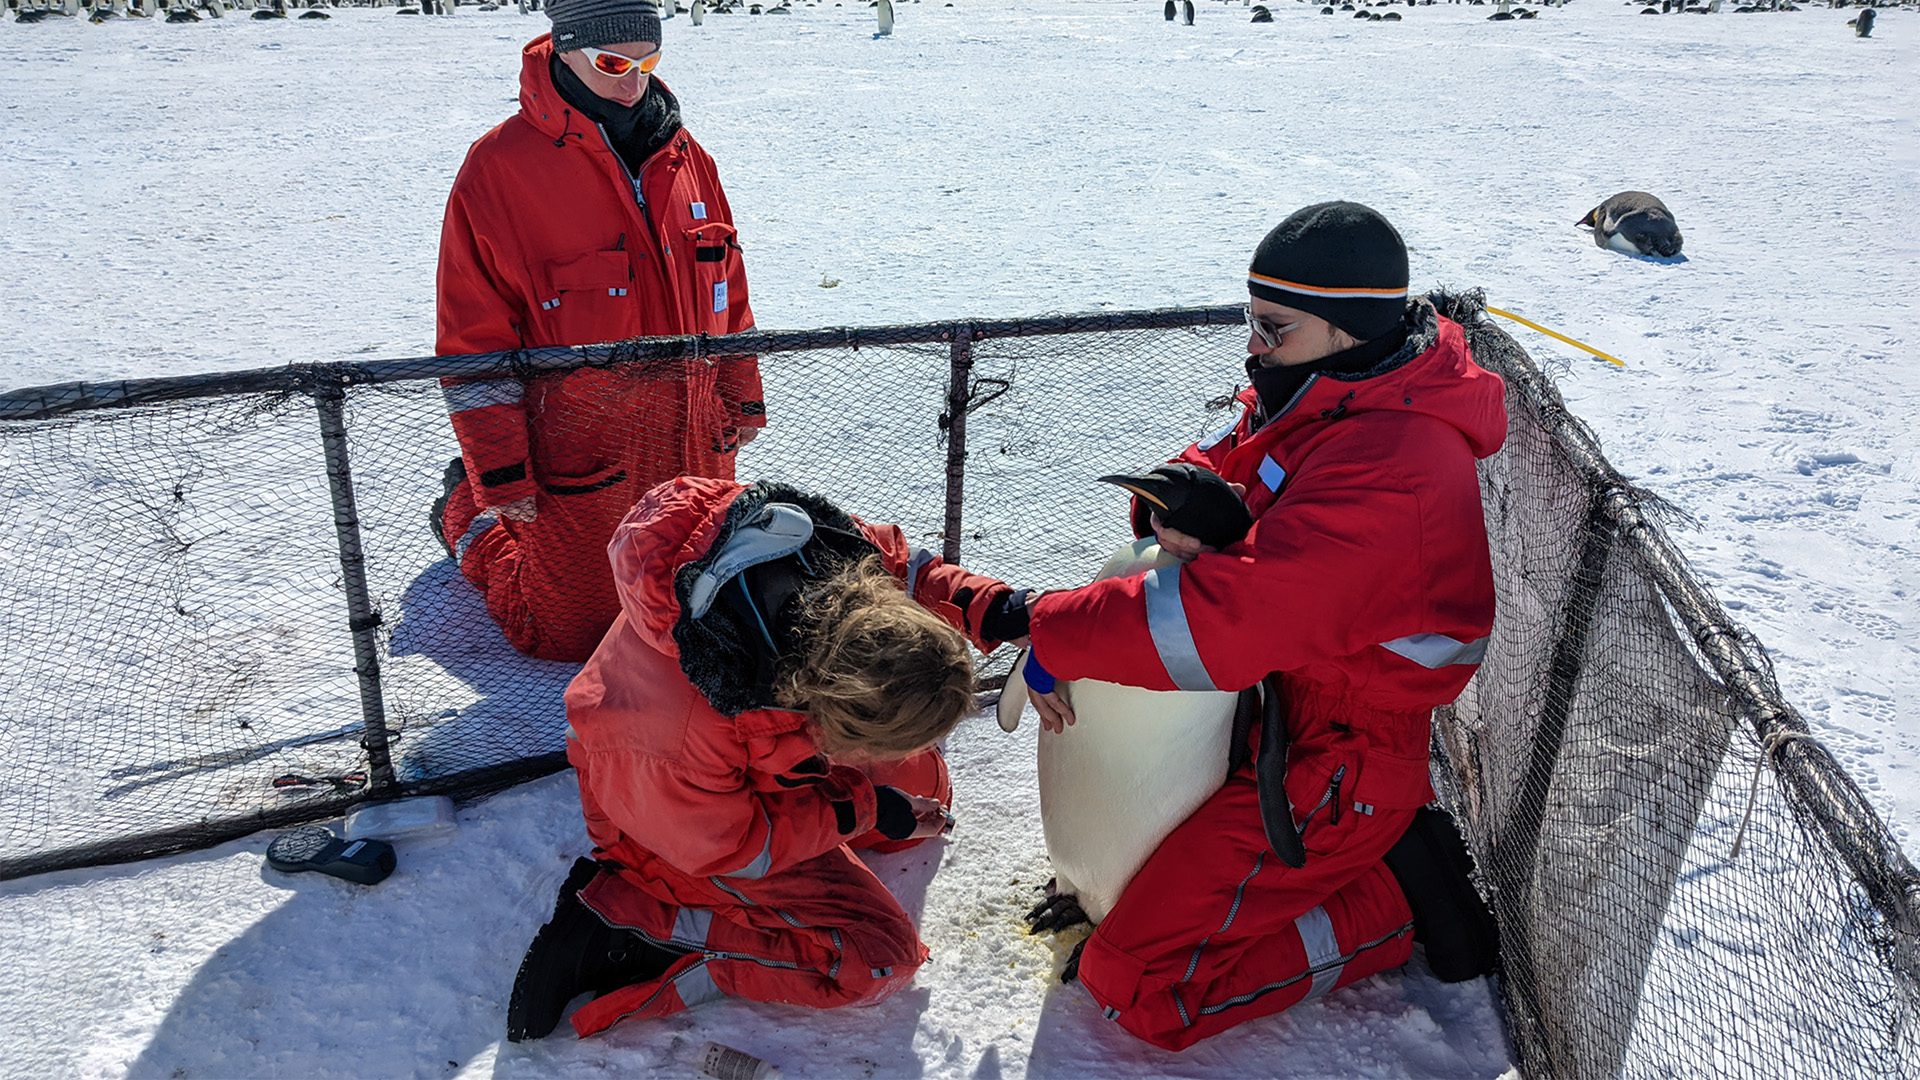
(636, 132)
(1277, 385)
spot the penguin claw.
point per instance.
(1056, 913)
(1071, 972)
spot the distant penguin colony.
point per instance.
(1634, 223)
(1114, 785)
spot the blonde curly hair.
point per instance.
(880, 676)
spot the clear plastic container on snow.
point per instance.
(403, 819)
(726, 1063)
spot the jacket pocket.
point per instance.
(570, 486)
(588, 299)
(714, 247)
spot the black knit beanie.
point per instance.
(581, 24)
(1338, 260)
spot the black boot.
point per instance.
(437, 518)
(1434, 870)
(576, 953)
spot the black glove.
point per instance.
(892, 813)
(1006, 619)
(1193, 500)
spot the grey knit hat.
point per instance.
(581, 24)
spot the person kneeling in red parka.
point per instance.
(1361, 599)
(767, 702)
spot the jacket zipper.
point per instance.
(633, 188)
(1333, 794)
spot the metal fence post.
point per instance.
(331, 399)
(954, 420)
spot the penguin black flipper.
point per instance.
(1193, 500)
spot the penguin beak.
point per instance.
(1157, 490)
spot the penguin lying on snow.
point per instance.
(1862, 23)
(1114, 785)
(1634, 223)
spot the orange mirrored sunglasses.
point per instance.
(614, 65)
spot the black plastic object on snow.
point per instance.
(313, 847)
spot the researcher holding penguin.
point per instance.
(1331, 566)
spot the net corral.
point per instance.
(226, 611)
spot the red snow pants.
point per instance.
(1215, 930)
(547, 582)
(821, 933)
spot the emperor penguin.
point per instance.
(699, 12)
(883, 11)
(1634, 223)
(1138, 762)
(1172, 9)
(1862, 23)
(1186, 12)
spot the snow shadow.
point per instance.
(407, 977)
(463, 696)
(1400, 1023)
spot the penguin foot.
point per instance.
(1071, 972)
(1055, 913)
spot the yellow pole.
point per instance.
(1556, 335)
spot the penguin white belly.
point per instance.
(1134, 765)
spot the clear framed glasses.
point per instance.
(1267, 330)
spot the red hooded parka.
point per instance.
(732, 833)
(548, 240)
(1366, 584)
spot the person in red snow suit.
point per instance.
(766, 703)
(1362, 598)
(590, 216)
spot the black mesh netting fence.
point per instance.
(226, 611)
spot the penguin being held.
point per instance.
(1137, 762)
(1634, 223)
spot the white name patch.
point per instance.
(719, 297)
(699, 211)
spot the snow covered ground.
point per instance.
(181, 198)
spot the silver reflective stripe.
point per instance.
(1323, 951)
(921, 557)
(549, 305)
(1110, 1013)
(762, 862)
(1363, 808)
(1172, 637)
(572, 734)
(696, 986)
(690, 927)
(880, 973)
(481, 523)
(1272, 474)
(462, 397)
(1437, 650)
